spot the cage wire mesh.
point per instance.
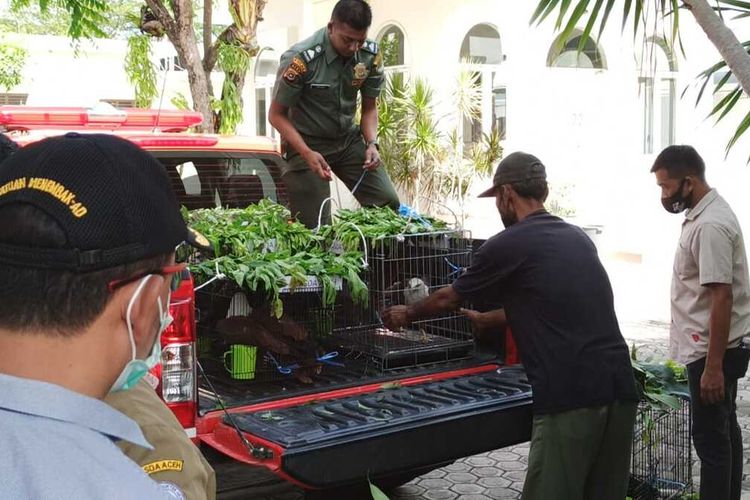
(240, 339)
(661, 466)
(403, 270)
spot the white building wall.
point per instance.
(586, 125)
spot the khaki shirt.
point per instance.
(321, 89)
(175, 462)
(711, 250)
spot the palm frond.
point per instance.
(727, 103)
(468, 96)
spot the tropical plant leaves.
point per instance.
(86, 16)
(377, 493)
(726, 103)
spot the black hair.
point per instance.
(680, 161)
(535, 189)
(355, 13)
(54, 301)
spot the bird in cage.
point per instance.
(416, 290)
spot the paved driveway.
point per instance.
(500, 474)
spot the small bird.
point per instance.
(415, 291)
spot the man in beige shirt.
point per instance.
(710, 315)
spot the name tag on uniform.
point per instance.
(322, 86)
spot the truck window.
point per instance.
(190, 180)
(205, 179)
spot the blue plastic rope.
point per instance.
(288, 369)
(408, 212)
(456, 269)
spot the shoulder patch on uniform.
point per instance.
(309, 54)
(370, 46)
(295, 69)
(163, 465)
(172, 490)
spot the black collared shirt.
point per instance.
(558, 299)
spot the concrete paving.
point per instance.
(500, 474)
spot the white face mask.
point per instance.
(136, 369)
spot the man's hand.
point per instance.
(372, 158)
(712, 386)
(478, 319)
(396, 317)
(484, 321)
(318, 164)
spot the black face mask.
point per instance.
(677, 202)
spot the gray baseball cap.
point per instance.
(516, 167)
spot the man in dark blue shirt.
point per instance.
(557, 298)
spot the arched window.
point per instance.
(567, 55)
(264, 76)
(481, 45)
(657, 70)
(392, 43)
(481, 53)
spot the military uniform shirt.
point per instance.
(320, 88)
(58, 444)
(174, 462)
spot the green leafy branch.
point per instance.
(140, 70)
(12, 62)
(262, 251)
(661, 384)
(233, 59)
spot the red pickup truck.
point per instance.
(344, 425)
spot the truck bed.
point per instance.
(326, 442)
(355, 373)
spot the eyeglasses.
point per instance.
(175, 270)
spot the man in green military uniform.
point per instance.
(174, 462)
(314, 105)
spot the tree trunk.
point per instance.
(724, 40)
(178, 24)
(199, 85)
(208, 11)
(207, 23)
(246, 15)
(180, 32)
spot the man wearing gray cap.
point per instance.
(545, 279)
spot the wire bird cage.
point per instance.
(239, 338)
(403, 270)
(662, 462)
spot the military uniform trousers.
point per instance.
(307, 191)
(581, 454)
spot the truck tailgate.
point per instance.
(329, 442)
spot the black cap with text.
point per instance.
(113, 201)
